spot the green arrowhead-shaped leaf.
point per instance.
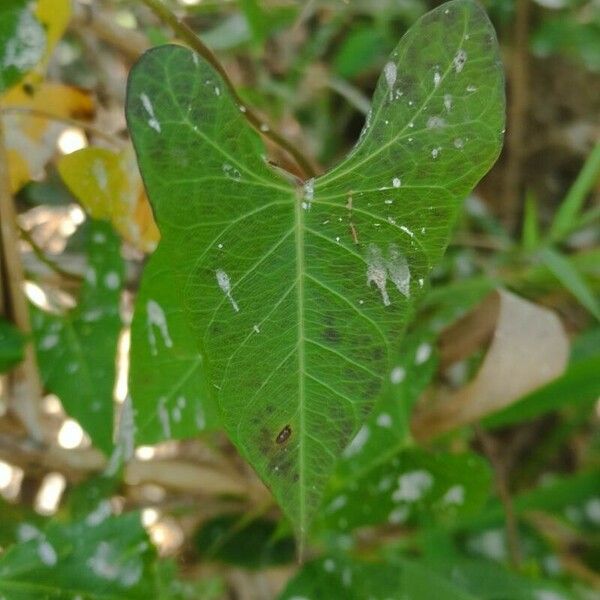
(298, 295)
(77, 351)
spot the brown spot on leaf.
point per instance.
(331, 335)
(284, 435)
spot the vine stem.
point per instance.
(490, 449)
(25, 380)
(186, 34)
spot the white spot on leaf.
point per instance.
(398, 270)
(110, 563)
(435, 122)
(454, 495)
(399, 515)
(337, 503)
(231, 172)
(412, 486)
(391, 73)
(592, 510)
(48, 342)
(225, 285)
(47, 553)
(448, 102)
(377, 272)
(26, 47)
(395, 267)
(357, 444)
(100, 175)
(397, 375)
(423, 353)
(459, 60)
(156, 318)
(163, 417)
(112, 280)
(152, 121)
(309, 193)
(99, 514)
(384, 420)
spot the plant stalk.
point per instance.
(24, 380)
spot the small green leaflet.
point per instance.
(76, 352)
(98, 558)
(400, 579)
(11, 345)
(297, 296)
(251, 543)
(484, 580)
(22, 41)
(339, 577)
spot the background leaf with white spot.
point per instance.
(414, 486)
(340, 577)
(76, 352)
(387, 430)
(22, 41)
(105, 559)
(485, 580)
(298, 296)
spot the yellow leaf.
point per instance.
(30, 138)
(54, 15)
(109, 186)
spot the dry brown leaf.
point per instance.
(528, 348)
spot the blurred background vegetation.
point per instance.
(531, 227)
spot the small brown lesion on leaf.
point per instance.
(353, 230)
(331, 335)
(28, 89)
(284, 435)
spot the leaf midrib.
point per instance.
(299, 241)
